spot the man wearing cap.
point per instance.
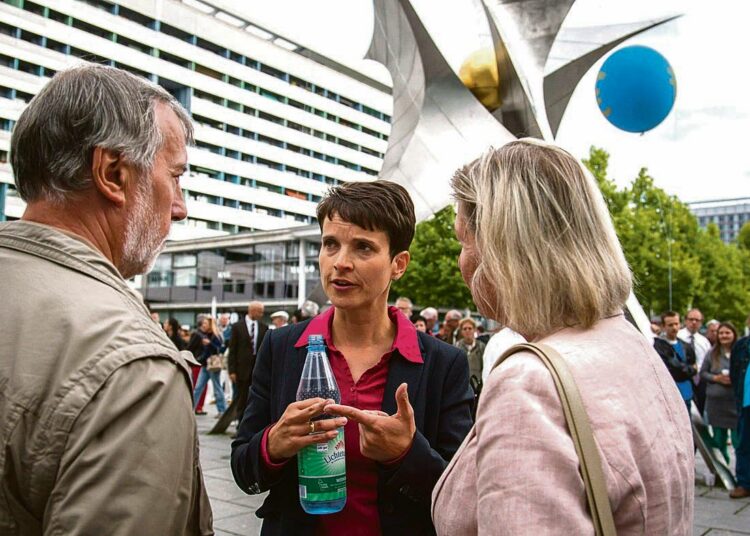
(279, 319)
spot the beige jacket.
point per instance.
(97, 433)
(517, 473)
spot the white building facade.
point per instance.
(275, 124)
(729, 215)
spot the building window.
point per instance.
(136, 17)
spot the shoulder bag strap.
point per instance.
(580, 430)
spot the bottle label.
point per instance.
(322, 470)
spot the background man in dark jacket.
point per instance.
(677, 355)
(247, 335)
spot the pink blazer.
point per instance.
(517, 471)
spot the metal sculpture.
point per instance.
(438, 124)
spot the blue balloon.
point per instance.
(636, 88)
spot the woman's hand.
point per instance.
(722, 379)
(382, 437)
(295, 429)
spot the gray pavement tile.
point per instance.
(222, 509)
(720, 532)
(222, 489)
(208, 465)
(241, 524)
(250, 501)
(706, 507)
(223, 471)
(739, 524)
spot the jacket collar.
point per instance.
(405, 342)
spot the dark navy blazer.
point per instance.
(439, 393)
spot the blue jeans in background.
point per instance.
(203, 376)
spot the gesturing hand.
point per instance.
(382, 437)
(293, 430)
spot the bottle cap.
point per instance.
(315, 340)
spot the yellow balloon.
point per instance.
(480, 75)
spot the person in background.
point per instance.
(279, 319)
(225, 328)
(185, 334)
(210, 345)
(677, 355)
(430, 316)
(540, 256)
(309, 309)
(473, 348)
(449, 329)
(247, 336)
(420, 324)
(720, 405)
(194, 345)
(482, 334)
(740, 379)
(405, 397)
(656, 327)
(172, 329)
(712, 328)
(405, 305)
(700, 345)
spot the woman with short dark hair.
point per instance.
(405, 397)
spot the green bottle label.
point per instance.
(322, 470)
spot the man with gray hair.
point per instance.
(430, 316)
(405, 305)
(449, 329)
(98, 431)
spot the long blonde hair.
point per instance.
(544, 236)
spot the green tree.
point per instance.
(597, 163)
(721, 291)
(662, 241)
(433, 277)
(743, 237)
(657, 245)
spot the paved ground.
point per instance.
(234, 512)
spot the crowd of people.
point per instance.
(99, 434)
(225, 364)
(709, 365)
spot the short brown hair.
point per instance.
(376, 206)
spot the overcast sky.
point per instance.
(701, 151)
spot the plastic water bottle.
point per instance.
(322, 466)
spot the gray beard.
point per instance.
(143, 241)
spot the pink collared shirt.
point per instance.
(360, 515)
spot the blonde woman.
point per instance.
(540, 256)
(210, 345)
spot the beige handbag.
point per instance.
(580, 430)
(214, 363)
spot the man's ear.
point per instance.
(399, 264)
(112, 175)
